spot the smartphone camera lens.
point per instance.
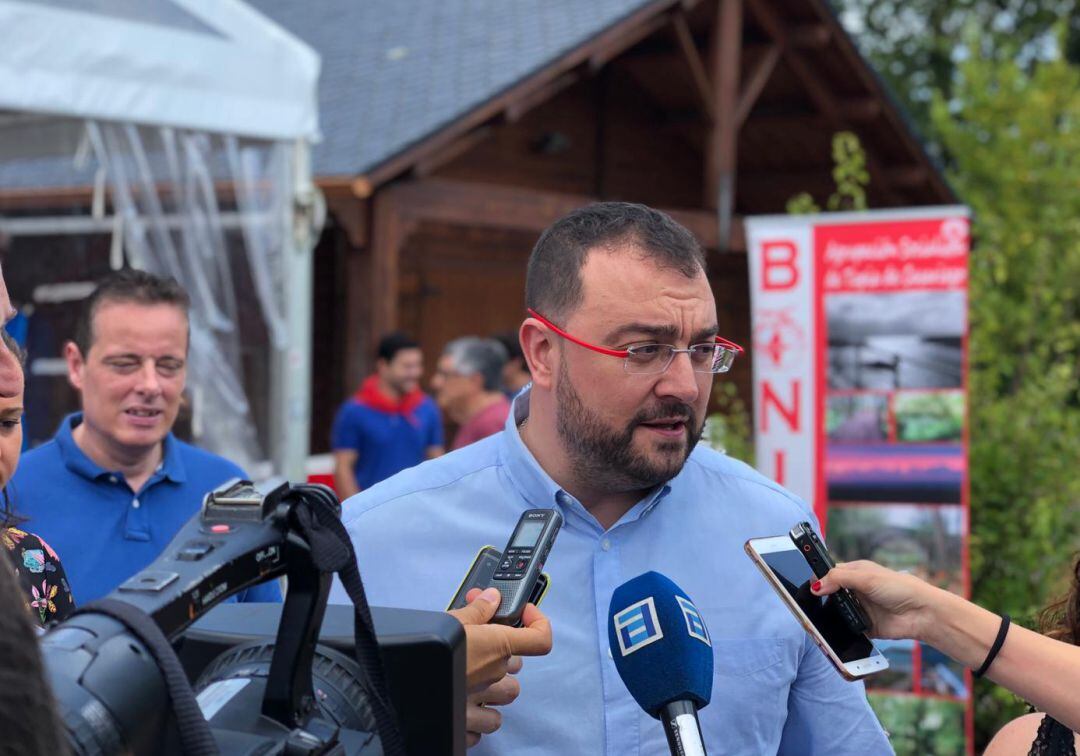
(806, 548)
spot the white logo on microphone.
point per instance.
(695, 626)
(637, 626)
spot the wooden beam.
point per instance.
(541, 94)
(592, 54)
(614, 41)
(390, 228)
(513, 208)
(692, 57)
(350, 212)
(908, 176)
(721, 154)
(810, 36)
(452, 151)
(812, 84)
(860, 108)
(755, 83)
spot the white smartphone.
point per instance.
(787, 571)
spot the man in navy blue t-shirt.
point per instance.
(114, 485)
(389, 424)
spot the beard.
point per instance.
(605, 457)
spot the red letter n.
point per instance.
(789, 414)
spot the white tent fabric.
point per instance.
(160, 99)
(207, 65)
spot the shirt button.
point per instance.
(606, 544)
(134, 503)
(112, 478)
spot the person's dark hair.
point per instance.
(553, 280)
(8, 518)
(1061, 620)
(512, 345)
(28, 717)
(127, 285)
(392, 343)
(472, 355)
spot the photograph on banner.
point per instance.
(921, 725)
(934, 415)
(895, 340)
(925, 540)
(855, 417)
(918, 669)
(887, 355)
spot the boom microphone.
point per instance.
(664, 656)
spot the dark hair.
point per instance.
(392, 343)
(28, 716)
(512, 344)
(475, 356)
(8, 518)
(553, 280)
(127, 285)
(1061, 620)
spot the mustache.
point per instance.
(665, 410)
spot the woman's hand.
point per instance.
(900, 605)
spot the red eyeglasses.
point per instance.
(714, 357)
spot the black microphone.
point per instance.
(664, 656)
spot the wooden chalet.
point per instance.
(455, 131)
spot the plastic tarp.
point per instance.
(157, 101)
(207, 65)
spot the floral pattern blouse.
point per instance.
(40, 575)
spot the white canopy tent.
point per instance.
(162, 104)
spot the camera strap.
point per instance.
(332, 551)
(195, 735)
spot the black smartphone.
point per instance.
(821, 561)
(482, 570)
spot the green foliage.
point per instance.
(729, 429)
(850, 174)
(916, 44)
(1014, 136)
(921, 726)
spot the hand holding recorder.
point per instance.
(489, 647)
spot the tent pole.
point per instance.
(290, 384)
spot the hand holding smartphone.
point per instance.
(821, 561)
(785, 567)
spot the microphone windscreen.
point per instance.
(660, 644)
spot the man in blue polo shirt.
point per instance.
(114, 485)
(389, 424)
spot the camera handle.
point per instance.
(289, 697)
(315, 521)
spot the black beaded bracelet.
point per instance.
(999, 641)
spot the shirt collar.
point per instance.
(76, 460)
(537, 487)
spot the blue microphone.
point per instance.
(662, 650)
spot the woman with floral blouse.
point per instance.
(37, 568)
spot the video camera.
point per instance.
(395, 684)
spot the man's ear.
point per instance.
(75, 364)
(538, 349)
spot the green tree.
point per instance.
(913, 43)
(1013, 134)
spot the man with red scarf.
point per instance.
(389, 424)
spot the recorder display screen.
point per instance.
(527, 534)
(794, 574)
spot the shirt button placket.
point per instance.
(620, 721)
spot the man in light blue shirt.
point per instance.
(622, 342)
